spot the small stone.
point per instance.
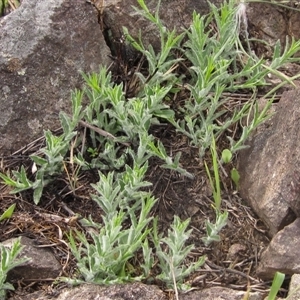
(234, 250)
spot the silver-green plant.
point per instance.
(9, 260)
(172, 253)
(119, 129)
(214, 56)
(163, 63)
(49, 162)
(108, 113)
(127, 230)
(106, 259)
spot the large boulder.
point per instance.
(43, 46)
(269, 168)
(270, 183)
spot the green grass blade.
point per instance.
(276, 284)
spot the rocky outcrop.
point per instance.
(221, 293)
(270, 182)
(269, 168)
(44, 44)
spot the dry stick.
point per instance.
(73, 143)
(174, 279)
(101, 132)
(211, 264)
(83, 141)
(12, 5)
(33, 144)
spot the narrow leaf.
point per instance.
(8, 213)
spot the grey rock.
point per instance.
(43, 46)
(220, 293)
(135, 291)
(175, 14)
(294, 288)
(42, 263)
(271, 22)
(139, 291)
(282, 254)
(265, 21)
(235, 250)
(269, 168)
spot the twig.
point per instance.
(211, 264)
(101, 132)
(174, 279)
